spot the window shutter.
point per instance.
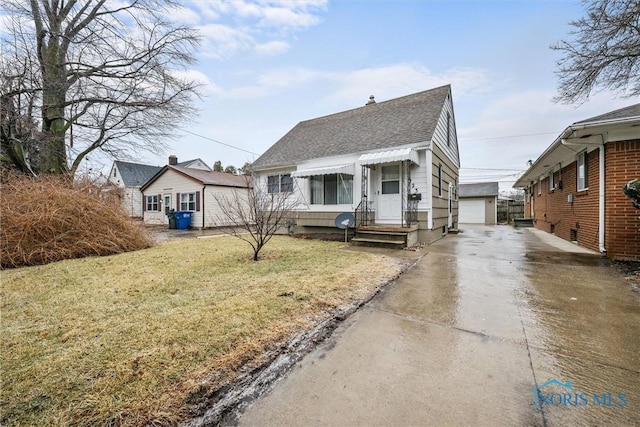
(197, 201)
(159, 202)
(177, 201)
(144, 203)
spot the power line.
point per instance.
(508, 136)
(492, 169)
(219, 142)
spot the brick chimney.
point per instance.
(371, 100)
(173, 160)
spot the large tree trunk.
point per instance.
(53, 153)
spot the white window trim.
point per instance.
(539, 186)
(585, 164)
(188, 202)
(150, 202)
(552, 184)
(280, 185)
(339, 182)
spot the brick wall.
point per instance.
(622, 164)
(553, 213)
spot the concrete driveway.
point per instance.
(494, 326)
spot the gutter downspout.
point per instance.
(601, 197)
(601, 184)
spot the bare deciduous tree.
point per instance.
(604, 52)
(95, 75)
(254, 215)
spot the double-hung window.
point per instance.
(583, 171)
(187, 201)
(280, 183)
(552, 184)
(332, 189)
(152, 203)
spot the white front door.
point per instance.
(166, 207)
(389, 209)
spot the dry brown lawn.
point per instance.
(126, 339)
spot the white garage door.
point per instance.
(471, 211)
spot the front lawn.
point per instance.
(126, 339)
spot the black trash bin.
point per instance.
(171, 214)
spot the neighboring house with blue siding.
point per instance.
(393, 163)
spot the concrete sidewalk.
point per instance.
(465, 337)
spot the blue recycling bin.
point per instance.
(183, 219)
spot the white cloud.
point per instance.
(272, 48)
(229, 28)
(221, 41)
(206, 85)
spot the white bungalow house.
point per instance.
(393, 164)
(188, 189)
(130, 177)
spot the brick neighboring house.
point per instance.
(574, 189)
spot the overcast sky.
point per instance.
(267, 65)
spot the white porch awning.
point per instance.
(390, 156)
(328, 170)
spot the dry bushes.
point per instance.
(48, 219)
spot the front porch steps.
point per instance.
(385, 236)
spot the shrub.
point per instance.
(48, 218)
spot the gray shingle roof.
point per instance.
(135, 174)
(213, 178)
(400, 121)
(622, 113)
(480, 189)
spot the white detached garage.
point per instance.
(478, 203)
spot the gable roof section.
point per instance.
(397, 122)
(135, 174)
(204, 177)
(188, 163)
(479, 189)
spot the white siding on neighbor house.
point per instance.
(198, 164)
(131, 196)
(171, 182)
(132, 202)
(213, 216)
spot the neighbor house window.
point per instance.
(583, 171)
(152, 203)
(280, 183)
(440, 180)
(333, 189)
(187, 201)
(539, 185)
(552, 184)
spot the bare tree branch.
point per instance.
(603, 53)
(111, 71)
(254, 215)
